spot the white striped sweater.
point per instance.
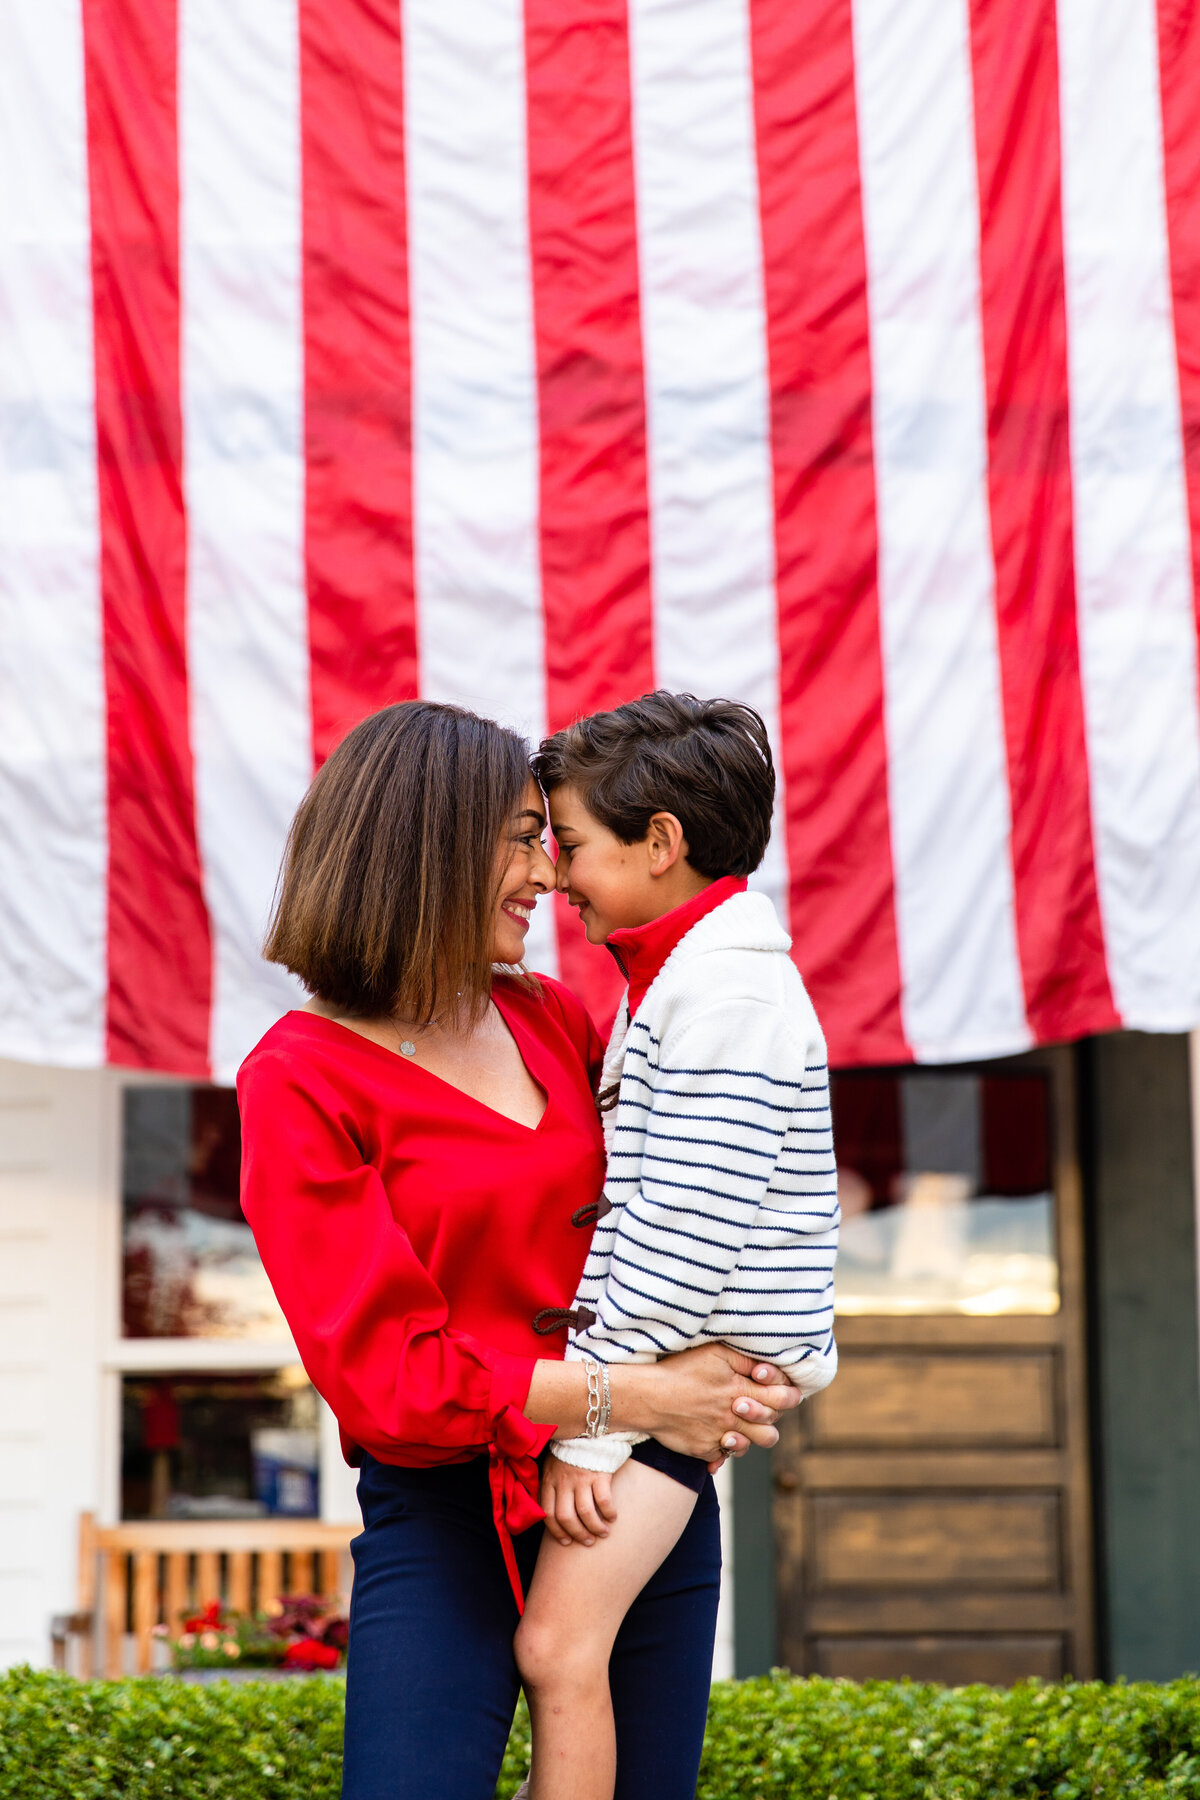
(721, 1173)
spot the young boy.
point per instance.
(719, 1215)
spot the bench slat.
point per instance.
(178, 1585)
(300, 1573)
(331, 1575)
(113, 1579)
(225, 1534)
(208, 1578)
(239, 1580)
(270, 1579)
(145, 1605)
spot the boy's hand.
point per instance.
(578, 1503)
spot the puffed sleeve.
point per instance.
(368, 1319)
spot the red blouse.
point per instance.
(411, 1233)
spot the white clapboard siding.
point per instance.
(56, 1171)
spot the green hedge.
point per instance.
(774, 1739)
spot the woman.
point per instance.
(422, 1164)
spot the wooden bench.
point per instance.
(136, 1576)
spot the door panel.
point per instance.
(932, 1508)
(972, 1610)
(895, 1397)
(890, 1541)
(953, 1660)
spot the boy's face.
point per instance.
(611, 883)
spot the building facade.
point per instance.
(1002, 1481)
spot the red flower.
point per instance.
(208, 1620)
(309, 1653)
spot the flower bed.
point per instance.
(300, 1633)
(775, 1739)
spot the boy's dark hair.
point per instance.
(707, 761)
(387, 901)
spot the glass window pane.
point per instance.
(219, 1446)
(190, 1265)
(947, 1194)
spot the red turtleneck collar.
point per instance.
(641, 950)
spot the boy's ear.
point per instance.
(665, 842)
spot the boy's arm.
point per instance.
(719, 1106)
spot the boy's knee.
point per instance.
(536, 1650)
(547, 1658)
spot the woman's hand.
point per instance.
(733, 1444)
(704, 1402)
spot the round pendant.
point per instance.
(408, 1048)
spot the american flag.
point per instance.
(842, 356)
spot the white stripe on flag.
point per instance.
(475, 431)
(1134, 585)
(244, 480)
(716, 629)
(53, 830)
(947, 765)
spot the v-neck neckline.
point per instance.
(408, 1062)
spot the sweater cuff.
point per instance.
(602, 1454)
(808, 1370)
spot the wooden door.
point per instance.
(932, 1510)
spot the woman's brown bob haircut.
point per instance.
(707, 761)
(387, 900)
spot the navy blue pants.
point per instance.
(431, 1682)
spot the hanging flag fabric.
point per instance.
(841, 356)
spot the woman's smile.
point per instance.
(526, 875)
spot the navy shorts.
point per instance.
(689, 1470)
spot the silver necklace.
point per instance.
(407, 1047)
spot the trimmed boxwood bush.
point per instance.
(774, 1739)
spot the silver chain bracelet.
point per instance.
(599, 1407)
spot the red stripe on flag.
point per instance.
(357, 358)
(1059, 929)
(595, 529)
(159, 948)
(1179, 80)
(831, 677)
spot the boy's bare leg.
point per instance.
(577, 1600)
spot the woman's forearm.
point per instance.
(558, 1396)
(695, 1401)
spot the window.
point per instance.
(219, 1446)
(947, 1193)
(217, 1418)
(189, 1265)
